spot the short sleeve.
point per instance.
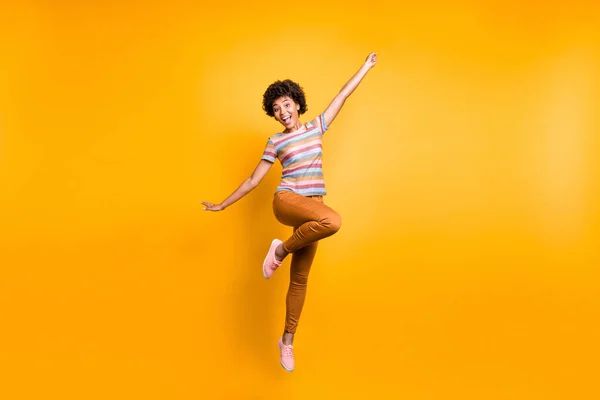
(321, 123)
(269, 154)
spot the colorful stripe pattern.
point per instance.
(300, 154)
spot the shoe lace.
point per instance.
(288, 351)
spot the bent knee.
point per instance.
(333, 223)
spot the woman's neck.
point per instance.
(294, 128)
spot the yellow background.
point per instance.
(465, 167)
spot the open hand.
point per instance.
(371, 60)
(212, 207)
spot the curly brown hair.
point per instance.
(284, 88)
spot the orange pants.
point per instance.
(312, 221)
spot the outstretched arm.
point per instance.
(336, 105)
(246, 187)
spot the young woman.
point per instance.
(298, 200)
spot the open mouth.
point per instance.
(286, 119)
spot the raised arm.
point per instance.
(338, 101)
(246, 187)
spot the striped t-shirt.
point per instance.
(300, 153)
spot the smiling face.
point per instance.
(285, 110)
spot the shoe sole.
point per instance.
(288, 370)
(265, 261)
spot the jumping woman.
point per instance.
(298, 200)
